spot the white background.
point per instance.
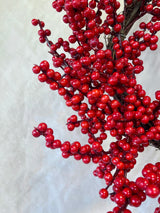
(34, 179)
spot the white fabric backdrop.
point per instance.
(34, 179)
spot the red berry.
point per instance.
(86, 159)
(35, 22)
(149, 7)
(42, 127)
(36, 69)
(49, 131)
(120, 199)
(135, 201)
(42, 39)
(41, 33)
(70, 126)
(65, 147)
(85, 124)
(152, 191)
(120, 18)
(57, 143)
(157, 94)
(54, 86)
(36, 133)
(65, 154)
(47, 32)
(103, 193)
(127, 192)
(49, 138)
(42, 77)
(142, 183)
(44, 65)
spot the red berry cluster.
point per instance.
(99, 83)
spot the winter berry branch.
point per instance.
(99, 83)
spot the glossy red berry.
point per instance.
(35, 22)
(152, 191)
(135, 201)
(42, 127)
(49, 138)
(36, 133)
(44, 65)
(157, 94)
(57, 143)
(120, 199)
(36, 69)
(42, 77)
(103, 193)
(86, 159)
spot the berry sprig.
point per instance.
(98, 80)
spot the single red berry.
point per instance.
(109, 9)
(65, 154)
(157, 210)
(96, 146)
(50, 73)
(47, 32)
(42, 23)
(86, 159)
(42, 127)
(54, 86)
(44, 65)
(42, 39)
(157, 94)
(103, 193)
(57, 143)
(42, 77)
(36, 69)
(70, 126)
(49, 131)
(41, 33)
(35, 22)
(36, 133)
(149, 7)
(77, 156)
(142, 183)
(120, 18)
(120, 199)
(85, 124)
(49, 138)
(152, 191)
(127, 192)
(135, 201)
(65, 147)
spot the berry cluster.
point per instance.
(98, 81)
